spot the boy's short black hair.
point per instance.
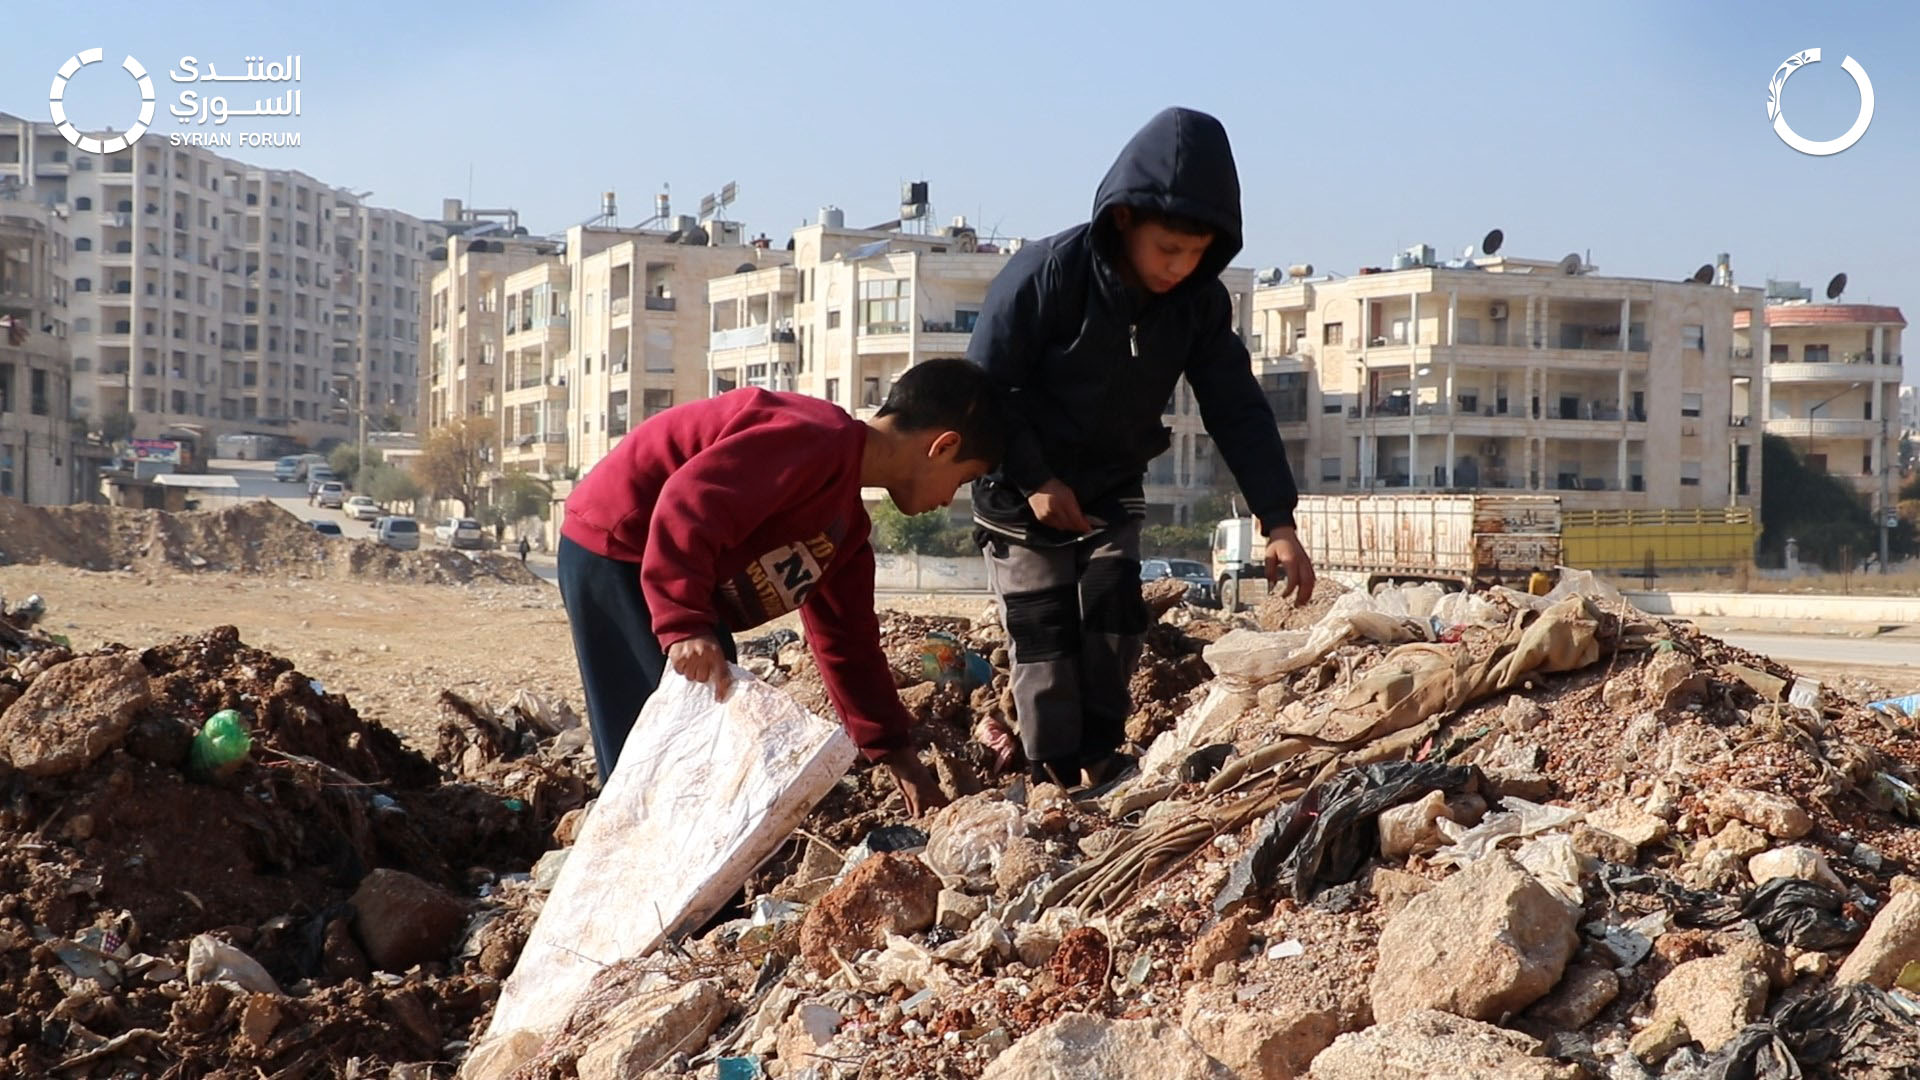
(1183, 224)
(951, 394)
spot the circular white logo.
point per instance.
(56, 103)
(1793, 138)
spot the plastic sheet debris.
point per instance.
(1286, 950)
(1632, 942)
(1908, 706)
(965, 840)
(1519, 820)
(1790, 911)
(1326, 834)
(1841, 1030)
(900, 839)
(1804, 694)
(1554, 864)
(210, 960)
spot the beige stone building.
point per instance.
(1509, 374)
(533, 394)
(464, 341)
(211, 292)
(39, 459)
(1831, 383)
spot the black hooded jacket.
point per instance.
(1088, 363)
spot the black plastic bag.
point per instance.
(1790, 911)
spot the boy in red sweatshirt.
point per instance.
(722, 514)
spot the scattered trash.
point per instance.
(220, 747)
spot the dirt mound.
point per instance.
(248, 538)
(110, 870)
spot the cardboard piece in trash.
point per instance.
(703, 793)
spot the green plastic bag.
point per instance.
(223, 743)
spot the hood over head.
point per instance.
(1179, 163)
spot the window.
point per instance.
(38, 385)
(1330, 470)
(1777, 354)
(1689, 474)
(1332, 334)
(1866, 465)
(82, 284)
(83, 243)
(1331, 404)
(1690, 405)
(833, 391)
(1815, 354)
(870, 391)
(833, 319)
(964, 320)
(884, 305)
(83, 203)
(656, 401)
(1693, 337)
(1466, 331)
(83, 325)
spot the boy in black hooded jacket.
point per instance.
(1088, 332)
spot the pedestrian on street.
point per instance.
(524, 548)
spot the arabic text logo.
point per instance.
(1794, 139)
(56, 103)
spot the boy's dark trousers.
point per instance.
(621, 662)
(1076, 622)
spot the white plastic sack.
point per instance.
(1468, 609)
(703, 793)
(965, 840)
(1249, 659)
(1520, 819)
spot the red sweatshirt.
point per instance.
(741, 508)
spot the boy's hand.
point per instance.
(1054, 504)
(917, 785)
(701, 659)
(1284, 550)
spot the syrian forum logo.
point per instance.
(1795, 139)
(193, 107)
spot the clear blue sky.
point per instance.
(1637, 131)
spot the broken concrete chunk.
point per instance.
(641, 1033)
(1082, 1045)
(72, 713)
(1796, 861)
(1427, 1044)
(1780, 816)
(956, 911)
(887, 894)
(1891, 943)
(1630, 823)
(1583, 993)
(1713, 997)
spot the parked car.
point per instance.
(332, 495)
(398, 533)
(317, 475)
(326, 528)
(459, 533)
(361, 508)
(1201, 591)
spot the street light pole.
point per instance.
(1886, 495)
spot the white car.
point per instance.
(332, 494)
(399, 533)
(361, 508)
(459, 533)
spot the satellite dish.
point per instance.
(1492, 241)
(1703, 275)
(1837, 286)
(1571, 264)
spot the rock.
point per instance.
(1582, 995)
(806, 1033)
(1769, 687)
(1813, 964)
(1622, 693)
(1659, 1039)
(887, 894)
(1036, 942)
(1522, 715)
(340, 955)
(1630, 823)
(568, 828)
(1714, 870)
(1768, 959)
(1780, 816)
(1606, 846)
(73, 712)
(1740, 840)
(819, 868)
(1411, 829)
(1093, 845)
(1672, 680)
(1891, 943)
(403, 921)
(1488, 941)
(1394, 888)
(498, 1057)
(1713, 998)
(1662, 802)
(258, 1020)
(1275, 696)
(1529, 784)
(1260, 1044)
(642, 1032)
(1796, 862)
(1025, 861)
(1079, 1045)
(1163, 595)
(956, 911)
(1224, 943)
(1430, 1045)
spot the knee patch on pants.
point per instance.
(1044, 624)
(1113, 601)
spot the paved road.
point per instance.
(1817, 648)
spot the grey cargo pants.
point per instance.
(1076, 622)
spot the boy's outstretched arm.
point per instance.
(1236, 414)
(843, 633)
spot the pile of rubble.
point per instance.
(1401, 835)
(249, 538)
(331, 904)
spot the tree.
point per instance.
(524, 495)
(931, 533)
(387, 485)
(1177, 541)
(453, 463)
(1832, 522)
(345, 463)
(116, 426)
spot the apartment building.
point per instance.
(533, 389)
(639, 323)
(474, 254)
(1832, 382)
(212, 292)
(39, 459)
(1512, 374)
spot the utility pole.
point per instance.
(1886, 494)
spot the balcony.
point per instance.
(1853, 368)
(1801, 427)
(659, 303)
